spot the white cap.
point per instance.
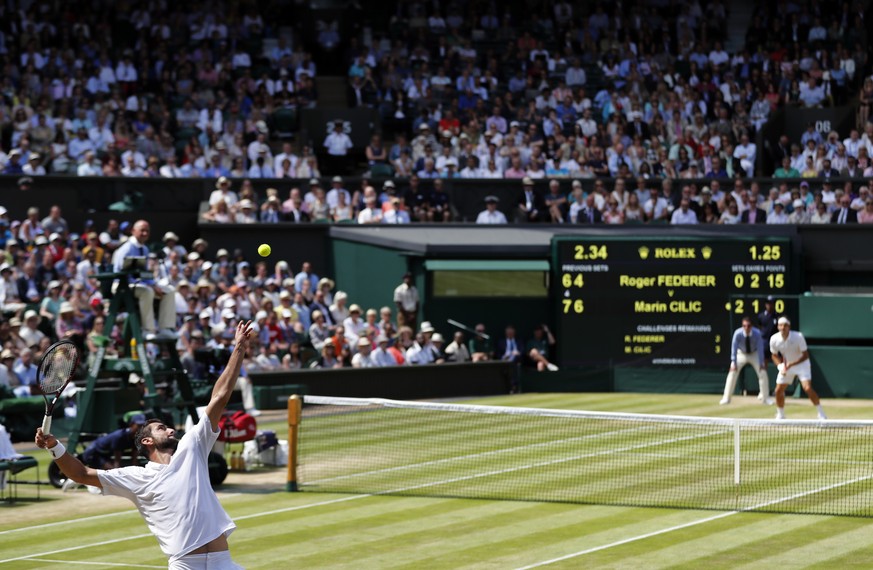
(783, 321)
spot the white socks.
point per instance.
(780, 413)
(821, 414)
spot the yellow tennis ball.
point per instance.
(264, 250)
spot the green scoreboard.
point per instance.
(664, 301)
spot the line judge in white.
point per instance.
(791, 356)
(172, 492)
(747, 348)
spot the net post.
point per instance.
(295, 405)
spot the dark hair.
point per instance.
(143, 432)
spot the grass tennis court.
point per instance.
(325, 530)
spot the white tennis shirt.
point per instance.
(791, 348)
(176, 500)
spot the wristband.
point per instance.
(57, 450)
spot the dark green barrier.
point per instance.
(842, 371)
(398, 382)
(837, 317)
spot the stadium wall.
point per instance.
(430, 381)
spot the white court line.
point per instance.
(83, 519)
(690, 524)
(138, 536)
(70, 549)
(115, 564)
(68, 522)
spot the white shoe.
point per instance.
(760, 396)
(724, 401)
(780, 416)
(821, 416)
(94, 490)
(69, 486)
(552, 367)
(254, 412)
(769, 401)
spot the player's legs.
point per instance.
(782, 382)
(806, 383)
(810, 391)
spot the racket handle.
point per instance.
(47, 424)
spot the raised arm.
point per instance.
(69, 465)
(224, 385)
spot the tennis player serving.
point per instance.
(791, 356)
(172, 491)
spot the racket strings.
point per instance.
(57, 367)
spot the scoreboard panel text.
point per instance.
(663, 301)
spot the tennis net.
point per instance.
(377, 446)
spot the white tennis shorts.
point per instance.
(802, 371)
(209, 561)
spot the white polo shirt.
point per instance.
(176, 500)
(790, 348)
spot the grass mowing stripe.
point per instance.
(359, 516)
(397, 534)
(626, 541)
(725, 543)
(432, 542)
(693, 523)
(810, 547)
(567, 525)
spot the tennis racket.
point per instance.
(56, 368)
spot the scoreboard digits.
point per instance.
(663, 301)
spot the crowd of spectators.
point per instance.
(631, 200)
(556, 89)
(155, 89)
(48, 291)
(642, 90)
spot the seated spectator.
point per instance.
(820, 215)
(684, 214)
(396, 214)
(539, 347)
(865, 216)
(362, 358)
(778, 215)
(491, 215)
(457, 351)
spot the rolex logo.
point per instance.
(644, 252)
(706, 251)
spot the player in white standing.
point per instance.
(791, 356)
(747, 348)
(172, 492)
